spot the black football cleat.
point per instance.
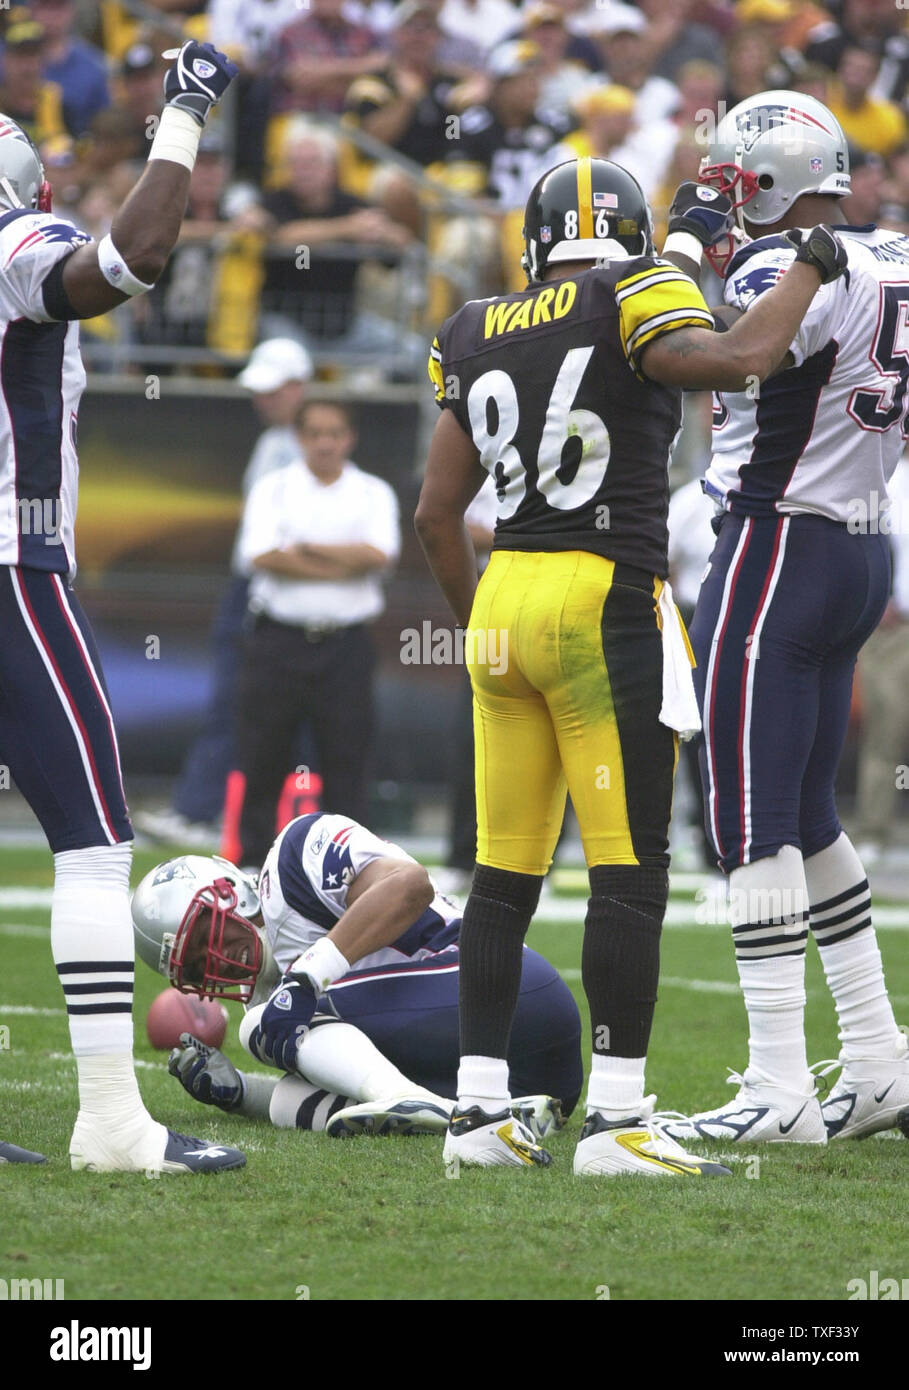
(184, 1154)
(11, 1153)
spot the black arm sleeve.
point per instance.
(56, 300)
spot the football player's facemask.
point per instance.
(216, 954)
(585, 210)
(192, 923)
(768, 151)
(22, 181)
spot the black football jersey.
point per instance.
(547, 383)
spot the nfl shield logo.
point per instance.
(545, 235)
(815, 164)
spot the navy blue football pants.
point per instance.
(410, 1011)
(56, 729)
(785, 606)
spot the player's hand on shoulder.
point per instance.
(821, 248)
(205, 1073)
(284, 1023)
(198, 78)
(703, 212)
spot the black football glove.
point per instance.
(821, 248)
(199, 77)
(284, 1022)
(703, 212)
(205, 1073)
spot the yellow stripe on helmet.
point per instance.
(585, 200)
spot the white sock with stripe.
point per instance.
(768, 910)
(841, 923)
(296, 1104)
(92, 945)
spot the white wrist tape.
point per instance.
(177, 137)
(322, 962)
(115, 270)
(684, 244)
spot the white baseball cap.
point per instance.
(614, 18)
(275, 362)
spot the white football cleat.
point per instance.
(759, 1113)
(869, 1094)
(638, 1144)
(399, 1115)
(480, 1140)
(542, 1115)
(160, 1150)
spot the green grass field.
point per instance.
(379, 1220)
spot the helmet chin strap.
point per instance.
(10, 194)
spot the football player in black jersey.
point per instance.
(568, 393)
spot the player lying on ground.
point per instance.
(56, 730)
(569, 394)
(363, 1049)
(795, 586)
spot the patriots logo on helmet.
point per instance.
(756, 282)
(759, 120)
(175, 869)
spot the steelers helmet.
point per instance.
(585, 210)
(772, 148)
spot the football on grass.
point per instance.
(173, 1013)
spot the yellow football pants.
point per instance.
(565, 658)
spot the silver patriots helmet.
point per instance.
(772, 148)
(22, 181)
(191, 922)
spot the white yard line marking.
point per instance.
(29, 1011)
(18, 896)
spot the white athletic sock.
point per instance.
(296, 1104)
(339, 1058)
(768, 909)
(616, 1086)
(841, 923)
(483, 1081)
(92, 944)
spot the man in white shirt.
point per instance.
(317, 535)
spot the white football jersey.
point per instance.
(41, 381)
(303, 889)
(825, 435)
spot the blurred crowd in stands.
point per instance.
(370, 169)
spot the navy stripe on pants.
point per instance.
(783, 611)
(410, 1011)
(57, 733)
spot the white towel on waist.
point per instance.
(680, 706)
